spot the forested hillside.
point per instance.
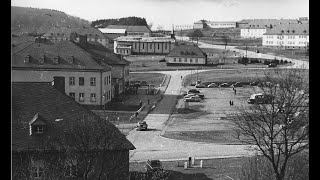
(31, 20)
(129, 21)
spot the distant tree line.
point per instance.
(128, 21)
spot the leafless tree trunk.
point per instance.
(279, 128)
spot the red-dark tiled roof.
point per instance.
(64, 49)
(186, 51)
(294, 29)
(130, 28)
(104, 56)
(29, 99)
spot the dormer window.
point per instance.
(72, 60)
(37, 125)
(56, 60)
(282, 31)
(293, 31)
(288, 31)
(27, 58)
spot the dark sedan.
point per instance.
(224, 85)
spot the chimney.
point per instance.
(59, 83)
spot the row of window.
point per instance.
(282, 42)
(122, 51)
(222, 24)
(185, 60)
(72, 81)
(150, 46)
(93, 96)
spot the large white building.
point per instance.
(256, 28)
(287, 36)
(221, 24)
(127, 45)
(183, 27)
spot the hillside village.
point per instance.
(99, 100)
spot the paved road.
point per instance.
(150, 145)
(251, 54)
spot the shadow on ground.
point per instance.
(195, 176)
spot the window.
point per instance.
(165, 46)
(174, 60)
(71, 81)
(81, 97)
(81, 81)
(196, 60)
(109, 79)
(93, 97)
(158, 46)
(191, 60)
(179, 59)
(105, 81)
(92, 81)
(150, 46)
(185, 59)
(142, 45)
(37, 170)
(72, 95)
(38, 129)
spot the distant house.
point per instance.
(198, 25)
(112, 34)
(132, 30)
(186, 55)
(126, 45)
(92, 34)
(43, 147)
(213, 58)
(287, 36)
(82, 77)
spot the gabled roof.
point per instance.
(289, 29)
(186, 51)
(64, 49)
(112, 31)
(267, 23)
(130, 28)
(31, 98)
(104, 56)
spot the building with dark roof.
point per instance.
(65, 33)
(257, 27)
(132, 30)
(186, 55)
(41, 116)
(41, 61)
(287, 36)
(198, 25)
(119, 66)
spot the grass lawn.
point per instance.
(218, 169)
(280, 52)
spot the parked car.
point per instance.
(191, 95)
(224, 85)
(237, 84)
(272, 65)
(142, 125)
(192, 99)
(254, 83)
(153, 164)
(195, 91)
(212, 85)
(200, 86)
(260, 98)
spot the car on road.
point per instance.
(224, 85)
(237, 84)
(200, 86)
(153, 164)
(142, 125)
(260, 98)
(195, 91)
(192, 99)
(211, 85)
(272, 65)
(191, 95)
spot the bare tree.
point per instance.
(279, 128)
(226, 40)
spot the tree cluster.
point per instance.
(127, 21)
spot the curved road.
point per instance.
(150, 144)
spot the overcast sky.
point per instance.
(177, 12)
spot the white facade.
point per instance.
(186, 60)
(285, 41)
(252, 33)
(225, 24)
(183, 27)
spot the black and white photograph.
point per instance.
(160, 89)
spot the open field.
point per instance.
(289, 53)
(217, 169)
